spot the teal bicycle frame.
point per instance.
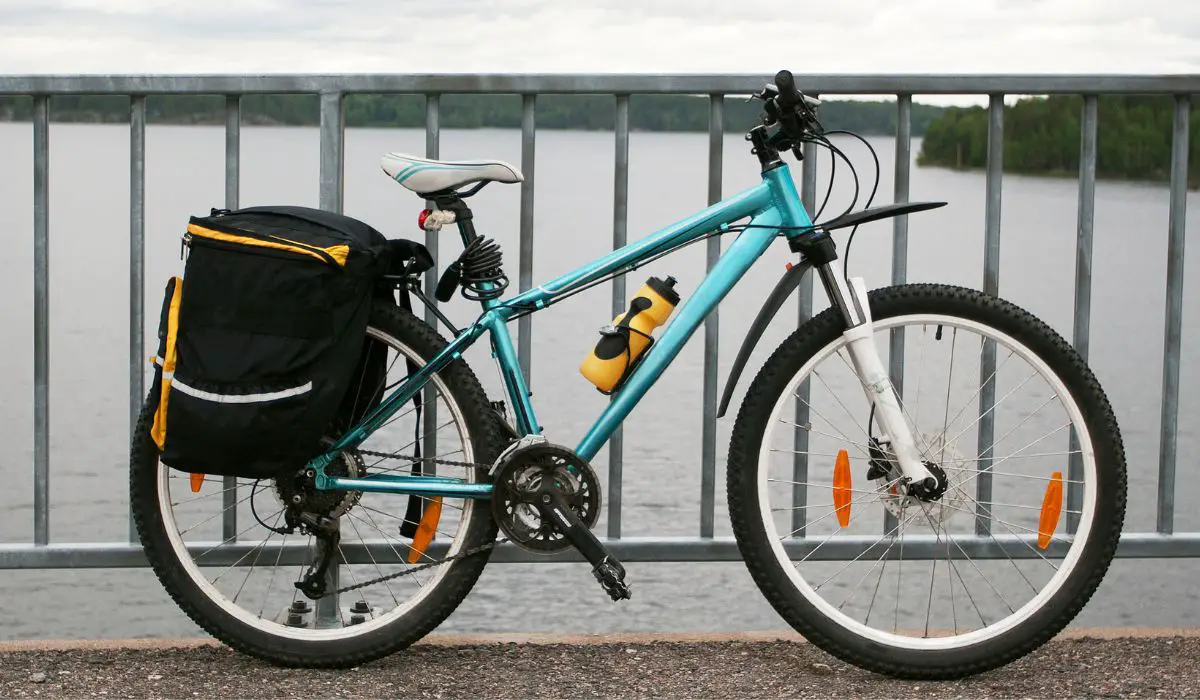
(774, 208)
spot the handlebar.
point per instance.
(791, 110)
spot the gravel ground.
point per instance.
(1155, 667)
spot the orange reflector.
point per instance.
(425, 530)
(841, 487)
(1051, 508)
(197, 481)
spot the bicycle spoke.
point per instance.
(949, 383)
(378, 568)
(861, 449)
(838, 399)
(443, 533)
(829, 486)
(218, 514)
(410, 444)
(403, 562)
(881, 560)
(261, 548)
(860, 556)
(274, 570)
(1002, 400)
(234, 539)
(969, 402)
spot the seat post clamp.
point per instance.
(438, 218)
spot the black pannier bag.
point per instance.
(261, 336)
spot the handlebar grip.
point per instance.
(786, 85)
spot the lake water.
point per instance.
(573, 224)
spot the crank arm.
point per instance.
(607, 570)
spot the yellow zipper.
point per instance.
(339, 253)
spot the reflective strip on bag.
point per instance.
(241, 398)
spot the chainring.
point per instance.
(518, 480)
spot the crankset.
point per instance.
(546, 498)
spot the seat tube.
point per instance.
(510, 370)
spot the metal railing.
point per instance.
(1163, 542)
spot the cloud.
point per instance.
(647, 36)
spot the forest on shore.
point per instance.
(1042, 135)
(584, 112)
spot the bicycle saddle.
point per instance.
(422, 175)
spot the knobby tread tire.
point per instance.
(765, 569)
(487, 439)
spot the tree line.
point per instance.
(1043, 135)
(585, 112)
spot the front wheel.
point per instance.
(969, 576)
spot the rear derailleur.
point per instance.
(547, 498)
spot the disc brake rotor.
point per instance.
(934, 513)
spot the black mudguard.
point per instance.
(787, 284)
(791, 279)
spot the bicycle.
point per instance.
(489, 469)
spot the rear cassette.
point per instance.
(524, 476)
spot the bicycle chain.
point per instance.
(462, 555)
(408, 572)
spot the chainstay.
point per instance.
(408, 572)
(417, 569)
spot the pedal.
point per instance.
(611, 576)
(605, 567)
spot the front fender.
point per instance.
(783, 289)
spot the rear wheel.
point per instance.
(937, 584)
(219, 549)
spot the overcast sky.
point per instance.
(648, 36)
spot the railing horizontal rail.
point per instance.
(633, 549)
(610, 84)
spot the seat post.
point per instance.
(462, 215)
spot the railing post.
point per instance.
(1177, 230)
(137, 266)
(41, 319)
(429, 412)
(528, 142)
(991, 285)
(900, 253)
(333, 134)
(233, 162)
(808, 197)
(616, 443)
(708, 441)
(1083, 286)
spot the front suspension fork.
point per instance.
(860, 341)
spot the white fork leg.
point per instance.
(860, 340)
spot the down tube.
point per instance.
(729, 269)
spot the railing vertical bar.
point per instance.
(233, 164)
(900, 252)
(433, 146)
(991, 285)
(616, 443)
(137, 265)
(1083, 285)
(808, 197)
(1175, 239)
(333, 136)
(528, 142)
(41, 319)
(708, 440)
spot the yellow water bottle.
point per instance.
(629, 335)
